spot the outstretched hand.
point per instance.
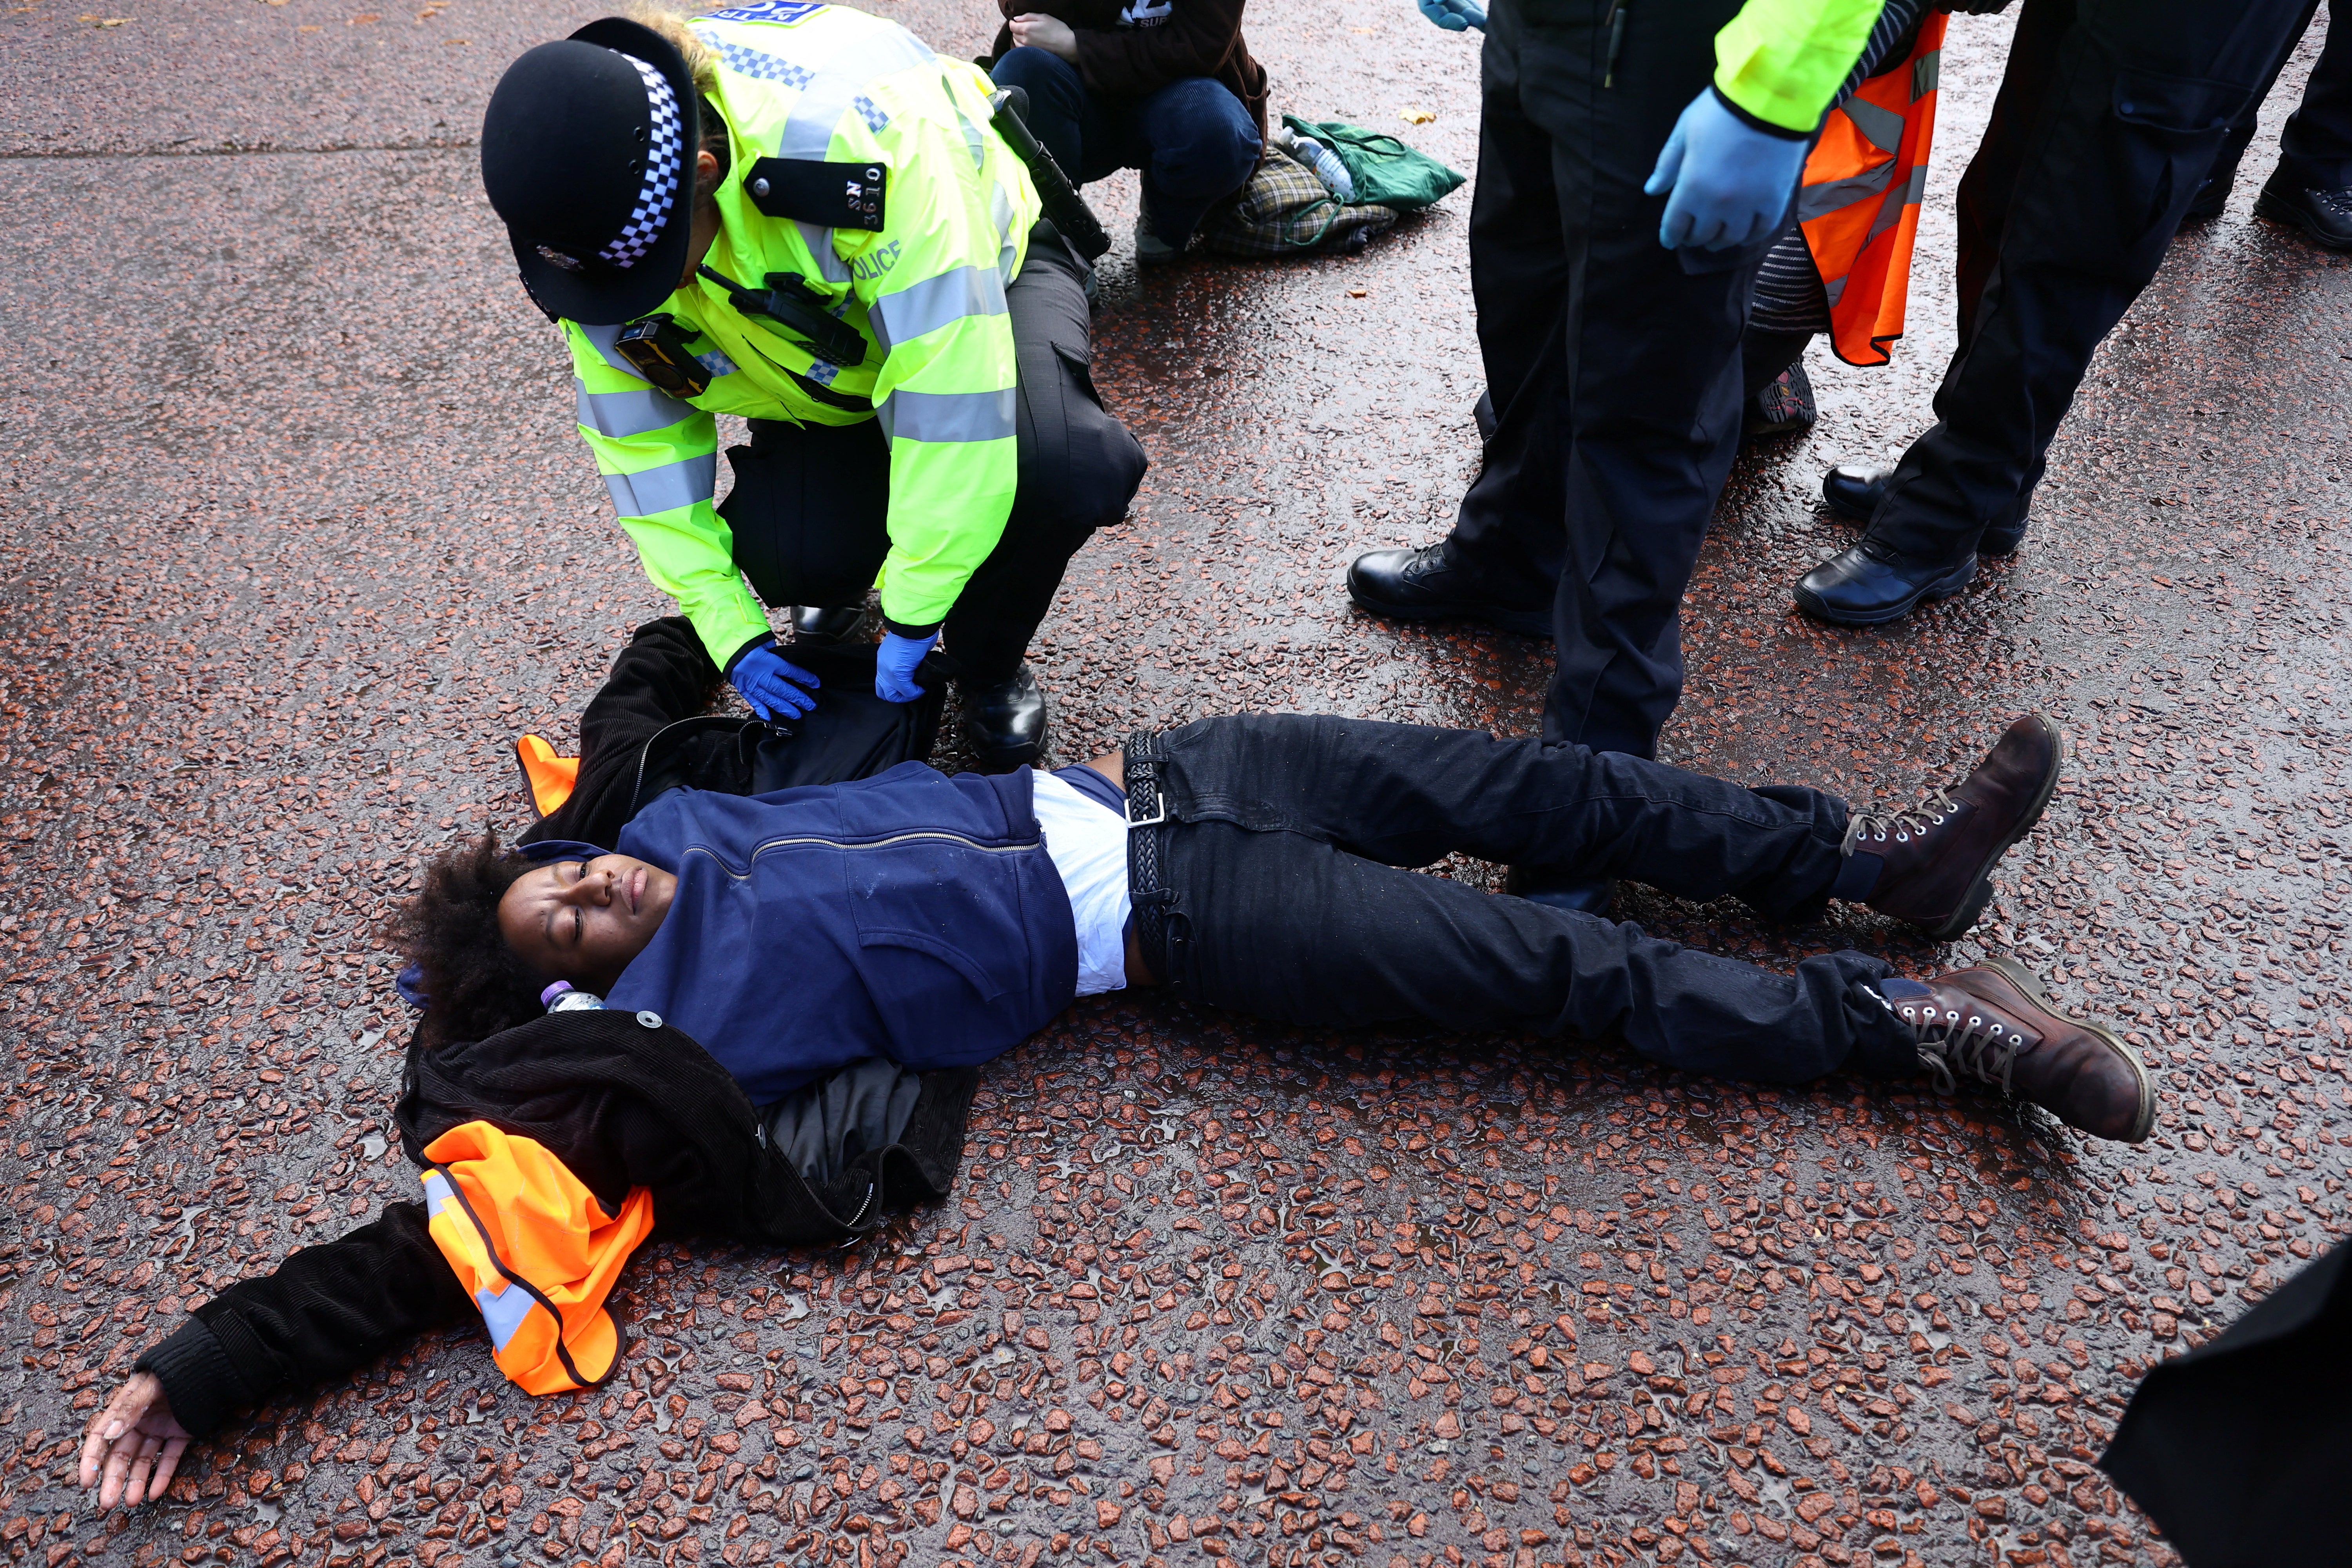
(133, 1445)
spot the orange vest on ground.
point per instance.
(1860, 202)
(537, 1252)
(547, 778)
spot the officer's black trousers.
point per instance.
(2109, 117)
(811, 501)
(1613, 364)
(2316, 143)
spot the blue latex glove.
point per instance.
(1453, 15)
(771, 686)
(894, 666)
(1731, 182)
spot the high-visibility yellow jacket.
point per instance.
(927, 292)
(1781, 62)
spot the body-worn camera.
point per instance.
(656, 347)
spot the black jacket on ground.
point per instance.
(621, 1102)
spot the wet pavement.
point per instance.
(294, 534)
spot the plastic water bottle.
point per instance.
(561, 997)
(1322, 160)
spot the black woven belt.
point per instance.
(1146, 808)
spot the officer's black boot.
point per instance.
(1868, 585)
(827, 622)
(1004, 722)
(2325, 214)
(1428, 584)
(1855, 490)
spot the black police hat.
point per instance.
(588, 151)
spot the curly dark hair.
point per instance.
(475, 984)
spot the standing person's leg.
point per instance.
(1652, 366)
(1079, 467)
(1501, 560)
(2312, 186)
(1204, 145)
(2140, 98)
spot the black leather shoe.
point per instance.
(1426, 584)
(1006, 723)
(1856, 588)
(1855, 490)
(1782, 407)
(827, 622)
(2325, 214)
(1558, 888)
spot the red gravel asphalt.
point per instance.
(295, 533)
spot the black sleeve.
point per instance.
(663, 675)
(326, 1310)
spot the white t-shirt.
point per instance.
(1088, 842)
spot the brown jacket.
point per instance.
(1199, 38)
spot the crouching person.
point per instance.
(911, 926)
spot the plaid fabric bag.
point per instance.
(1285, 209)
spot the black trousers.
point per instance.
(1281, 859)
(1613, 366)
(2109, 117)
(811, 502)
(2316, 143)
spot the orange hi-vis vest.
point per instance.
(536, 1250)
(1860, 202)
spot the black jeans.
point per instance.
(1613, 365)
(812, 502)
(2109, 117)
(1284, 899)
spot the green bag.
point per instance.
(1385, 170)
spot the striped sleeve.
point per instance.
(659, 459)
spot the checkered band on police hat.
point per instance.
(666, 145)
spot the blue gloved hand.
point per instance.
(894, 666)
(772, 686)
(1453, 15)
(1731, 182)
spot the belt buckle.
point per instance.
(1153, 821)
(1150, 769)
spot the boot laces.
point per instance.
(1960, 1040)
(1869, 827)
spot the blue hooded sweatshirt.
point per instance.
(910, 915)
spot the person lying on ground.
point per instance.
(748, 947)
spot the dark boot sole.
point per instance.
(2269, 206)
(2142, 1124)
(1943, 587)
(1979, 894)
(1521, 623)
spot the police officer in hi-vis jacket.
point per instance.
(799, 214)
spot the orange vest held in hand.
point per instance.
(537, 1252)
(1859, 205)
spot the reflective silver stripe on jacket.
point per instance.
(839, 86)
(948, 416)
(602, 339)
(936, 302)
(665, 489)
(631, 413)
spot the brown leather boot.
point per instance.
(1938, 858)
(1995, 1024)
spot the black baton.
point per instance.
(1064, 208)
